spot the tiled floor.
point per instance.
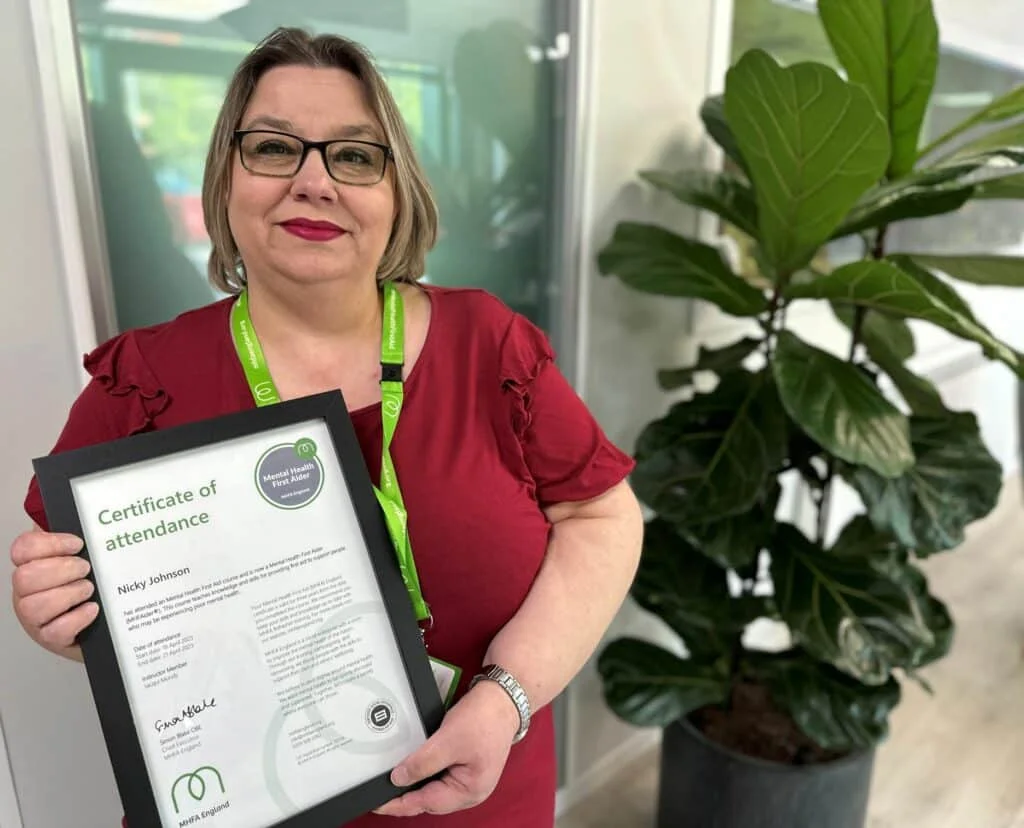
(955, 759)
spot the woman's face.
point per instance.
(309, 228)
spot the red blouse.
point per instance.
(490, 433)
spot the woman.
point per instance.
(525, 533)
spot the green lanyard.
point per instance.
(392, 356)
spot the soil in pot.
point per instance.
(756, 727)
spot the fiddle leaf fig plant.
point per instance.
(813, 157)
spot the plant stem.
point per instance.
(858, 327)
(878, 251)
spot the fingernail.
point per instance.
(400, 777)
(71, 544)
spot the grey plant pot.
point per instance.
(704, 785)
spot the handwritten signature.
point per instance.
(186, 714)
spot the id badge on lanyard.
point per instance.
(389, 495)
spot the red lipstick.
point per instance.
(311, 230)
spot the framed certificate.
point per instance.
(256, 661)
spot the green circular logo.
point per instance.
(305, 448)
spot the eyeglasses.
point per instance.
(281, 155)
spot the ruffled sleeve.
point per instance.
(121, 371)
(121, 398)
(569, 456)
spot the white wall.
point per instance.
(57, 758)
(649, 75)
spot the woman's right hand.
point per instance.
(50, 590)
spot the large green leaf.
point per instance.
(926, 192)
(994, 271)
(838, 406)
(1005, 142)
(882, 286)
(917, 196)
(720, 193)
(982, 161)
(934, 286)
(813, 143)
(1007, 187)
(844, 610)
(923, 393)
(835, 710)
(1008, 106)
(954, 482)
(934, 612)
(893, 50)
(861, 539)
(712, 114)
(690, 593)
(997, 149)
(889, 342)
(718, 360)
(931, 191)
(947, 294)
(735, 542)
(655, 260)
(710, 456)
(648, 686)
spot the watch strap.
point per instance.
(515, 691)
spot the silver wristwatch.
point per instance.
(492, 672)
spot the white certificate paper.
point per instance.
(251, 633)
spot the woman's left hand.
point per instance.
(471, 747)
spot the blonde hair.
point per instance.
(415, 228)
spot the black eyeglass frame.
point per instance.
(319, 146)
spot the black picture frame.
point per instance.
(55, 474)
